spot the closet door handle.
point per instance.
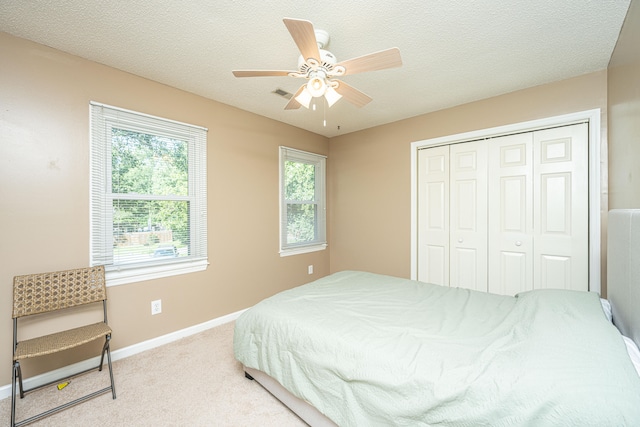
(460, 240)
(518, 243)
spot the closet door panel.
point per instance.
(513, 203)
(561, 219)
(433, 215)
(434, 270)
(555, 272)
(510, 242)
(468, 235)
(512, 275)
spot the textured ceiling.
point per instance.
(453, 52)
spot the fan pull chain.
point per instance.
(324, 112)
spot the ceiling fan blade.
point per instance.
(293, 104)
(352, 94)
(261, 73)
(388, 58)
(305, 37)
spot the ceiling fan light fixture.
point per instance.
(317, 86)
(332, 96)
(304, 98)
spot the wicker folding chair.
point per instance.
(48, 292)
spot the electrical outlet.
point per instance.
(310, 269)
(156, 306)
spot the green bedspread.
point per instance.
(372, 350)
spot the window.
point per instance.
(302, 202)
(148, 195)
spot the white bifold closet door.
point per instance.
(511, 219)
(561, 208)
(506, 214)
(468, 224)
(433, 217)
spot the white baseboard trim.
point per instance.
(5, 391)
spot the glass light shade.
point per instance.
(332, 96)
(304, 98)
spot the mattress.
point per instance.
(367, 349)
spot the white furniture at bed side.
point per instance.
(623, 270)
(632, 348)
(634, 353)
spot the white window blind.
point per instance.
(302, 201)
(148, 195)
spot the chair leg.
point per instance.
(19, 373)
(107, 347)
(104, 349)
(16, 381)
(14, 374)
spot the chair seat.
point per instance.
(59, 341)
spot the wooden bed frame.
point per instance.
(623, 291)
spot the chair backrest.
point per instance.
(40, 293)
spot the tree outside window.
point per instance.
(157, 167)
(303, 225)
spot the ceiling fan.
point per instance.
(320, 68)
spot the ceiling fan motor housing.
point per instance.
(327, 61)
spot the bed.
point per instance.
(357, 348)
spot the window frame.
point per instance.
(102, 119)
(319, 162)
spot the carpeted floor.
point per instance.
(191, 382)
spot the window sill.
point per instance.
(302, 250)
(119, 275)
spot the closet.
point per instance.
(506, 214)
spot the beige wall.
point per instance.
(370, 170)
(624, 115)
(44, 192)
